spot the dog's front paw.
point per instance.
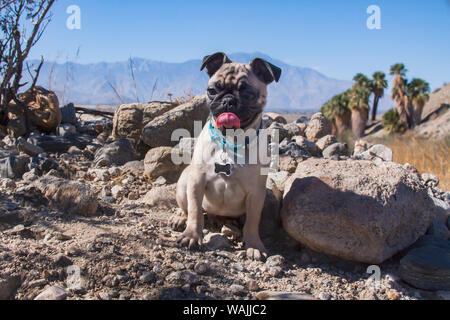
(191, 238)
(178, 221)
(255, 250)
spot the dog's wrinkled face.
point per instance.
(237, 92)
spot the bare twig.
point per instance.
(133, 78)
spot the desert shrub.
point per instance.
(391, 121)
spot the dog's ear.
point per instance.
(265, 71)
(214, 62)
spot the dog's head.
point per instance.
(237, 92)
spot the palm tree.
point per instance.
(361, 80)
(359, 105)
(418, 90)
(377, 86)
(337, 111)
(399, 95)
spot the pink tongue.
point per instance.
(228, 120)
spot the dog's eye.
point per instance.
(212, 91)
(247, 94)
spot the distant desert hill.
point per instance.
(299, 90)
(436, 114)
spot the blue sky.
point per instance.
(328, 35)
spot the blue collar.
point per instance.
(224, 144)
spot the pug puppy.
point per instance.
(214, 181)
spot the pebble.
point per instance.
(252, 285)
(324, 296)
(275, 261)
(275, 271)
(200, 268)
(147, 277)
(237, 289)
(53, 293)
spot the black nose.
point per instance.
(229, 103)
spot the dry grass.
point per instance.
(427, 155)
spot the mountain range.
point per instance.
(299, 89)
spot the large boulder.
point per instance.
(130, 119)
(127, 122)
(158, 132)
(70, 196)
(319, 126)
(116, 153)
(356, 210)
(427, 264)
(43, 108)
(158, 162)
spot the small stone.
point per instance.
(275, 261)
(117, 192)
(182, 277)
(133, 195)
(52, 293)
(252, 285)
(237, 289)
(201, 268)
(74, 150)
(393, 295)
(61, 260)
(275, 271)
(324, 296)
(147, 277)
(217, 241)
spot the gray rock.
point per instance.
(158, 132)
(294, 129)
(356, 210)
(217, 241)
(201, 267)
(158, 163)
(427, 265)
(53, 293)
(13, 167)
(319, 126)
(430, 179)
(377, 153)
(182, 277)
(74, 150)
(28, 148)
(326, 141)
(8, 286)
(275, 261)
(237, 289)
(304, 143)
(147, 277)
(437, 228)
(277, 128)
(66, 130)
(117, 192)
(68, 114)
(115, 154)
(336, 149)
(70, 196)
(57, 144)
(295, 151)
(268, 295)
